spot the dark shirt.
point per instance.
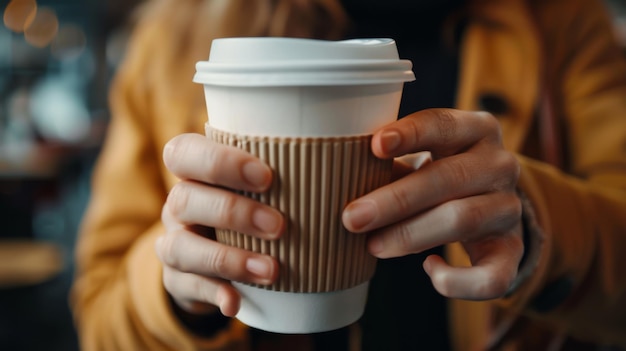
(417, 26)
(404, 312)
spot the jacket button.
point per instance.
(553, 294)
(493, 103)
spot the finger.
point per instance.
(458, 220)
(169, 221)
(198, 294)
(191, 253)
(455, 177)
(490, 276)
(193, 156)
(172, 224)
(195, 203)
(441, 131)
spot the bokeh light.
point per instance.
(43, 29)
(19, 14)
(59, 111)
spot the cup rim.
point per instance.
(271, 61)
(304, 73)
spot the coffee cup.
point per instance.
(308, 108)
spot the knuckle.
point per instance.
(401, 199)
(173, 152)
(473, 218)
(509, 212)
(492, 285)
(514, 167)
(491, 125)
(490, 121)
(466, 218)
(216, 261)
(413, 130)
(169, 281)
(446, 125)
(226, 207)
(511, 166)
(169, 249)
(508, 170)
(405, 239)
(454, 172)
(211, 159)
(178, 199)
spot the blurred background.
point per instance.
(56, 61)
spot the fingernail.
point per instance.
(255, 173)
(376, 245)
(360, 213)
(259, 267)
(267, 221)
(390, 140)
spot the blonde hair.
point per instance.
(170, 36)
(192, 24)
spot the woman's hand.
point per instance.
(466, 194)
(196, 268)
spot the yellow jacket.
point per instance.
(573, 281)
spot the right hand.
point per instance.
(196, 268)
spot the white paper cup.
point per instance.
(308, 108)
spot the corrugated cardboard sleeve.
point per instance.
(314, 179)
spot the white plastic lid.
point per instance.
(290, 61)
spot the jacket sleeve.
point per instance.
(118, 298)
(579, 282)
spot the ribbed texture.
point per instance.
(314, 179)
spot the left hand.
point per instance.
(466, 194)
